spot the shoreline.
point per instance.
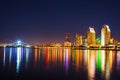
(73, 48)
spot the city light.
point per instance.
(18, 61)
(88, 41)
(19, 42)
(92, 30)
(60, 40)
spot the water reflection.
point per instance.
(118, 60)
(10, 57)
(19, 53)
(47, 57)
(4, 55)
(85, 58)
(95, 64)
(91, 64)
(77, 59)
(66, 59)
(39, 53)
(27, 57)
(110, 55)
(102, 58)
(35, 57)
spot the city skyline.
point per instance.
(60, 39)
(89, 39)
(90, 30)
(48, 21)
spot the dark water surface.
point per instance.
(58, 64)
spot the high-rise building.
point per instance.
(78, 40)
(113, 41)
(91, 37)
(67, 42)
(105, 35)
(68, 38)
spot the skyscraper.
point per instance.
(68, 38)
(78, 40)
(105, 35)
(91, 37)
(67, 42)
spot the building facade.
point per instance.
(78, 40)
(105, 35)
(91, 37)
(67, 42)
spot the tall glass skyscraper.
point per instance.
(105, 35)
(91, 37)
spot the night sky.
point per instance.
(47, 20)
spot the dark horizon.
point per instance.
(48, 21)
